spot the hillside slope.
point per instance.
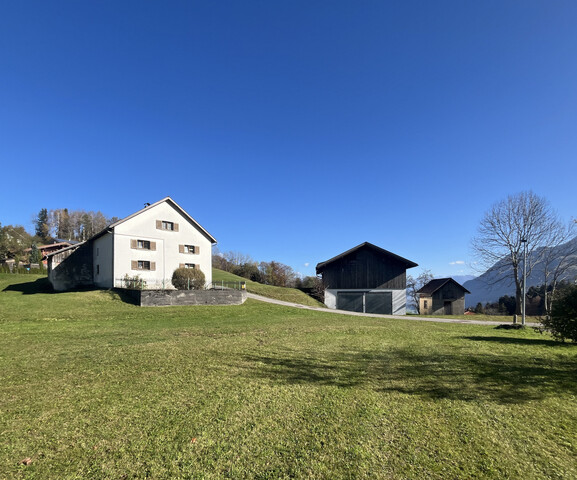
(278, 293)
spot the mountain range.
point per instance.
(498, 280)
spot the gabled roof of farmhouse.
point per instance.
(437, 283)
(378, 250)
(112, 225)
(168, 200)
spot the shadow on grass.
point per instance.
(41, 285)
(125, 296)
(470, 377)
(521, 341)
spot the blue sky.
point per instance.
(292, 131)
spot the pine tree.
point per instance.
(42, 227)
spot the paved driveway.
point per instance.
(400, 317)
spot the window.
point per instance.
(142, 244)
(425, 305)
(189, 249)
(143, 265)
(190, 265)
(97, 269)
(166, 225)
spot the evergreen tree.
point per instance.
(42, 227)
(35, 255)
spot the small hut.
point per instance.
(442, 296)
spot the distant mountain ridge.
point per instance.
(463, 278)
(497, 281)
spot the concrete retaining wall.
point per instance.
(160, 298)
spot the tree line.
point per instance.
(64, 224)
(535, 301)
(50, 226)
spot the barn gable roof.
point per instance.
(380, 251)
(438, 283)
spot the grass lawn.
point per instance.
(486, 318)
(278, 293)
(92, 387)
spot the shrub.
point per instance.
(133, 283)
(563, 321)
(188, 279)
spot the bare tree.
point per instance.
(557, 260)
(415, 284)
(237, 258)
(503, 231)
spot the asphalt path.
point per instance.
(375, 315)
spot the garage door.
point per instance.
(350, 301)
(373, 302)
(381, 302)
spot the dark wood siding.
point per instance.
(449, 293)
(365, 268)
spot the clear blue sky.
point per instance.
(292, 130)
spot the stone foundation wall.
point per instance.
(163, 298)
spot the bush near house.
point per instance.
(188, 279)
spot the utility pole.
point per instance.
(524, 242)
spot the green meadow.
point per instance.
(93, 387)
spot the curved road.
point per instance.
(400, 317)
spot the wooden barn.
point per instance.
(366, 279)
(442, 296)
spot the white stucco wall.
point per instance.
(166, 256)
(399, 298)
(102, 261)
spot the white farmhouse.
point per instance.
(150, 244)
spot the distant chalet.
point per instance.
(366, 279)
(442, 296)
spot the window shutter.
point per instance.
(197, 250)
(181, 265)
(153, 245)
(196, 266)
(153, 266)
(133, 244)
(176, 227)
(159, 224)
(134, 265)
(181, 249)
